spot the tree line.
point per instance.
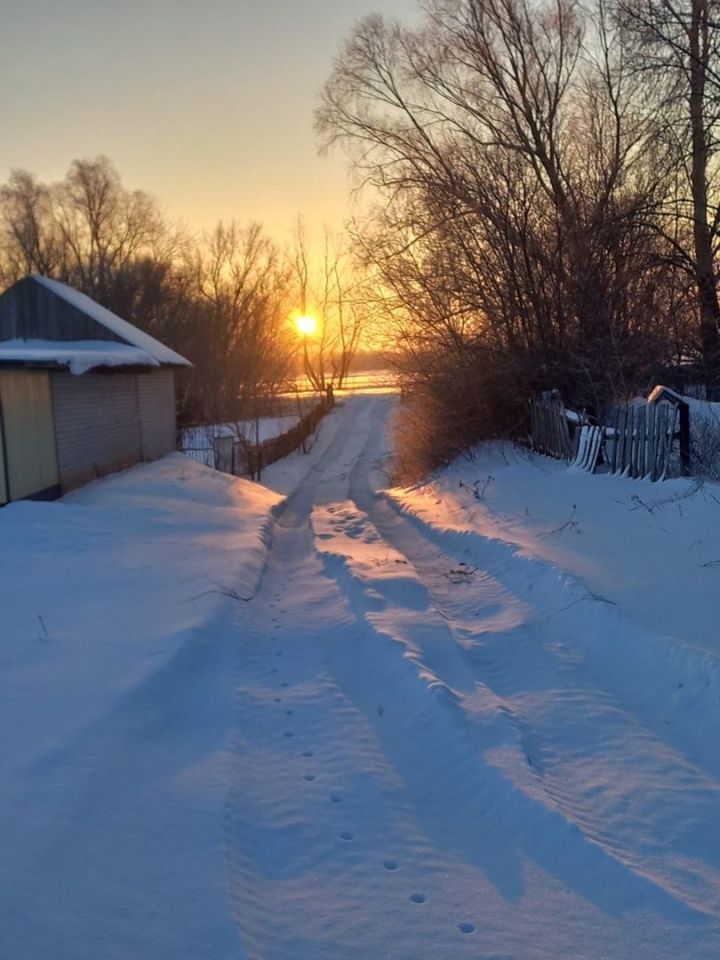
(224, 300)
(549, 205)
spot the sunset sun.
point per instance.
(306, 325)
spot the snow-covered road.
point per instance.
(444, 727)
(442, 753)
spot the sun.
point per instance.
(306, 325)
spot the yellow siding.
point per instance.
(29, 434)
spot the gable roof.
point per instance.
(45, 322)
(112, 322)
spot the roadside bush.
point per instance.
(451, 403)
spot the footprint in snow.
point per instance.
(289, 713)
(310, 777)
(289, 733)
(335, 798)
(346, 835)
(466, 928)
(417, 898)
(391, 864)
(308, 753)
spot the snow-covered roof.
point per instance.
(665, 393)
(112, 322)
(78, 356)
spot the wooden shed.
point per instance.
(82, 392)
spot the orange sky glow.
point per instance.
(206, 106)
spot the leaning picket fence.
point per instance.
(645, 439)
(550, 427)
(642, 441)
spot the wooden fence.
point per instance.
(242, 458)
(647, 439)
(549, 427)
(640, 443)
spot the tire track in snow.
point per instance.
(283, 842)
(482, 868)
(344, 753)
(561, 727)
(453, 773)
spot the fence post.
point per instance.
(684, 412)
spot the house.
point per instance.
(82, 392)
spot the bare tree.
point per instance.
(84, 230)
(330, 287)
(222, 301)
(30, 238)
(506, 142)
(676, 50)
(247, 348)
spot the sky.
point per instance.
(208, 106)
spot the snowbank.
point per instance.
(116, 673)
(651, 549)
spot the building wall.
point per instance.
(97, 430)
(4, 496)
(156, 404)
(108, 422)
(27, 436)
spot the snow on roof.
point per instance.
(111, 321)
(660, 392)
(78, 355)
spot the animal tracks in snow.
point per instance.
(388, 866)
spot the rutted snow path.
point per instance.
(435, 763)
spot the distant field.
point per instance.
(366, 381)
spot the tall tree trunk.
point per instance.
(708, 307)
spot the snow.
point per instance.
(78, 356)
(703, 410)
(116, 667)
(661, 391)
(197, 442)
(121, 328)
(647, 547)
(471, 719)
